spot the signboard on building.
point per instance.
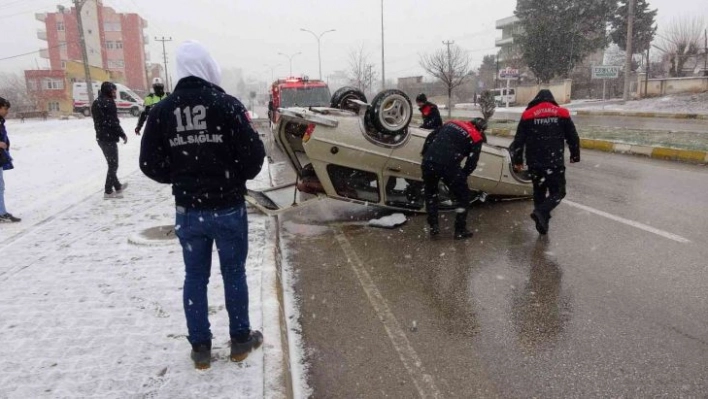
(508, 73)
(605, 72)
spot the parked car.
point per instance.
(369, 154)
(501, 96)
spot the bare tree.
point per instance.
(14, 88)
(681, 41)
(451, 66)
(362, 73)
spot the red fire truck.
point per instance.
(296, 92)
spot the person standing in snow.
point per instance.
(541, 135)
(158, 93)
(430, 112)
(200, 140)
(108, 134)
(5, 162)
(443, 152)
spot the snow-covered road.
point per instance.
(84, 313)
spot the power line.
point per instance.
(30, 53)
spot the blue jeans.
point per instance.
(197, 231)
(2, 193)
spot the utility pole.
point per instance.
(628, 59)
(79, 5)
(449, 77)
(164, 57)
(705, 54)
(383, 62)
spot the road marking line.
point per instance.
(628, 222)
(423, 382)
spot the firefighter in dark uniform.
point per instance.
(443, 152)
(541, 135)
(153, 98)
(430, 112)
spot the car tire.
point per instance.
(135, 111)
(86, 112)
(390, 112)
(341, 98)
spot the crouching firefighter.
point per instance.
(443, 152)
(153, 98)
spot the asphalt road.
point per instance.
(612, 303)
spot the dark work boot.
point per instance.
(201, 356)
(240, 350)
(434, 230)
(541, 222)
(463, 234)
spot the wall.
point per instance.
(665, 86)
(561, 91)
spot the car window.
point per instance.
(353, 183)
(304, 97)
(126, 97)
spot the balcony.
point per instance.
(44, 53)
(41, 16)
(508, 21)
(503, 41)
(42, 34)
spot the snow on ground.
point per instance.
(672, 104)
(85, 313)
(390, 221)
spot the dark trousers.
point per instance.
(548, 188)
(456, 181)
(110, 151)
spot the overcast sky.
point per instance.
(250, 33)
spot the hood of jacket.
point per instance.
(193, 59)
(543, 96)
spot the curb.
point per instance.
(640, 114)
(663, 153)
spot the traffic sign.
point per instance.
(605, 72)
(508, 73)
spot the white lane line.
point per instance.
(423, 382)
(628, 222)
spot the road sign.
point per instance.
(508, 73)
(605, 72)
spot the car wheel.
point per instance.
(86, 112)
(341, 99)
(390, 112)
(135, 111)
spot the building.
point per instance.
(115, 42)
(51, 90)
(509, 51)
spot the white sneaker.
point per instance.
(113, 195)
(122, 188)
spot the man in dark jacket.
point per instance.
(541, 135)
(158, 93)
(430, 112)
(201, 141)
(5, 162)
(443, 152)
(108, 134)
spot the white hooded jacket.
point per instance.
(193, 59)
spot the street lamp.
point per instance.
(318, 37)
(272, 70)
(290, 57)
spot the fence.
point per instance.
(561, 91)
(665, 86)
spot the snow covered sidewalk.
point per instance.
(86, 314)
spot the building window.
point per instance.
(53, 84)
(60, 26)
(112, 27)
(117, 64)
(63, 65)
(32, 84)
(110, 45)
(53, 106)
(119, 44)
